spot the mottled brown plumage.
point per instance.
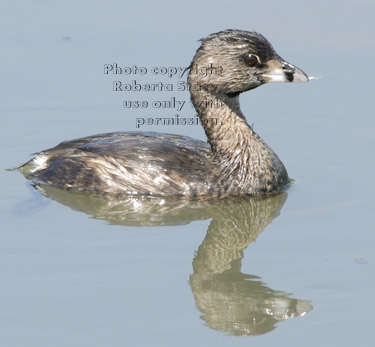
(236, 161)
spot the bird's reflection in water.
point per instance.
(233, 302)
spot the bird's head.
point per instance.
(233, 61)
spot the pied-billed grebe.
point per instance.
(236, 161)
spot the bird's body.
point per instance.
(235, 162)
(137, 163)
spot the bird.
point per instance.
(235, 160)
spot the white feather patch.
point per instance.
(38, 163)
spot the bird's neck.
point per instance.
(245, 161)
(227, 131)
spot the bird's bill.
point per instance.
(282, 71)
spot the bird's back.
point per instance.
(127, 163)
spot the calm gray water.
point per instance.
(296, 269)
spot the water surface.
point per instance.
(292, 268)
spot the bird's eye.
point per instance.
(251, 60)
